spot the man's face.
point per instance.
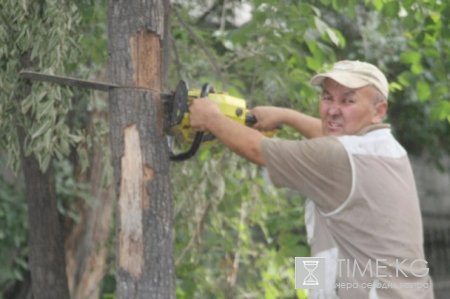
(345, 111)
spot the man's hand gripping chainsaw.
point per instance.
(178, 116)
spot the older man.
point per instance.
(362, 213)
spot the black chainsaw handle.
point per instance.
(250, 120)
(206, 88)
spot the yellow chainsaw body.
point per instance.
(232, 107)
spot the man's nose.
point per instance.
(333, 109)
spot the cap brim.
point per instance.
(343, 78)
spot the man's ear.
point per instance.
(380, 112)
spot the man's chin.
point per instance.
(334, 132)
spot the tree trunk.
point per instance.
(47, 264)
(136, 33)
(87, 243)
(46, 244)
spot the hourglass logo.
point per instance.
(309, 272)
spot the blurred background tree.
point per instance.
(64, 132)
(236, 235)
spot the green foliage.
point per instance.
(269, 60)
(235, 233)
(421, 94)
(41, 35)
(68, 189)
(93, 41)
(13, 235)
(14, 227)
(51, 37)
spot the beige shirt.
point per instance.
(363, 212)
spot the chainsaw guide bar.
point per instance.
(77, 82)
(176, 107)
(63, 80)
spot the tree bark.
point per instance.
(46, 243)
(136, 33)
(47, 264)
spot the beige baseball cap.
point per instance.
(355, 74)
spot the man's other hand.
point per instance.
(268, 117)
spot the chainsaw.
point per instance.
(178, 117)
(176, 105)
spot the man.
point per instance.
(363, 212)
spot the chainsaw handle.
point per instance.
(206, 88)
(250, 120)
(192, 150)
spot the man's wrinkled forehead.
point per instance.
(330, 85)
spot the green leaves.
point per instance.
(13, 235)
(329, 34)
(230, 219)
(423, 90)
(269, 61)
(378, 4)
(411, 57)
(441, 111)
(40, 36)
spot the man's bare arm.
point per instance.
(270, 117)
(245, 141)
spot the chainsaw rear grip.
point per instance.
(250, 120)
(206, 88)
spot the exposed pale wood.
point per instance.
(131, 243)
(146, 56)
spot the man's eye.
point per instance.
(326, 98)
(349, 101)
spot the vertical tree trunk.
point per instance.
(46, 244)
(47, 265)
(86, 245)
(145, 267)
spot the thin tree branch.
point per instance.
(242, 55)
(223, 17)
(195, 236)
(207, 12)
(232, 276)
(179, 66)
(202, 46)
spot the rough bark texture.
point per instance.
(47, 264)
(46, 243)
(145, 267)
